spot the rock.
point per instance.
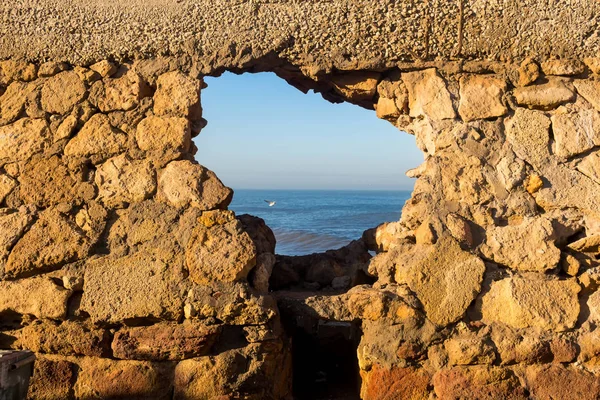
(381, 383)
(122, 181)
(533, 183)
(261, 371)
(593, 63)
(223, 253)
(394, 304)
(590, 166)
(163, 139)
(341, 282)
(232, 304)
(11, 70)
(178, 95)
(184, 183)
(12, 227)
(104, 68)
(387, 109)
(382, 237)
(23, 139)
(7, 184)
(563, 67)
(68, 338)
(221, 217)
(14, 101)
(66, 128)
(593, 304)
(528, 133)
(165, 341)
(51, 380)
(545, 96)
(459, 229)
(589, 90)
(259, 232)
(427, 95)
(469, 348)
(51, 68)
(528, 246)
(444, 292)
(117, 94)
(356, 86)
(131, 287)
(40, 297)
(576, 133)
(52, 241)
(46, 182)
(527, 302)
(62, 92)
(425, 234)
(556, 381)
(520, 346)
(262, 272)
(529, 72)
(481, 97)
(480, 382)
(570, 265)
(97, 139)
(111, 379)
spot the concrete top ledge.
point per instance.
(321, 34)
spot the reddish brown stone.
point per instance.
(559, 382)
(477, 383)
(51, 380)
(381, 383)
(165, 341)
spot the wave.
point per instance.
(295, 243)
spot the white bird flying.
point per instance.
(271, 203)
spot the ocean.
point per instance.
(312, 221)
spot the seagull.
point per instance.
(271, 203)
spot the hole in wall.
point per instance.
(334, 170)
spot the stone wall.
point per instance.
(122, 269)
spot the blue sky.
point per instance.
(264, 134)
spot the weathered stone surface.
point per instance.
(178, 95)
(545, 96)
(13, 70)
(12, 227)
(163, 139)
(444, 292)
(22, 139)
(532, 302)
(223, 253)
(61, 92)
(559, 382)
(7, 184)
(562, 67)
(387, 109)
(110, 379)
(14, 100)
(590, 166)
(46, 182)
(393, 304)
(68, 338)
(132, 287)
(52, 241)
(427, 95)
(183, 184)
(589, 90)
(40, 297)
(117, 94)
(260, 371)
(232, 304)
(97, 138)
(165, 341)
(481, 382)
(51, 380)
(356, 87)
(576, 133)
(481, 97)
(528, 246)
(528, 133)
(105, 68)
(121, 181)
(381, 383)
(529, 71)
(469, 348)
(516, 346)
(52, 68)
